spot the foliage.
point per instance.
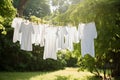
(14, 59)
(106, 15)
(70, 58)
(62, 5)
(11, 57)
(89, 63)
(7, 12)
(1, 26)
(16, 3)
(35, 19)
(38, 8)
(38, 20)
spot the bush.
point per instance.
(14, 59)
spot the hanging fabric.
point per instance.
(36, 36)
(62, 34)
(16, 23)
(87, 34)
(43, 28)
(54, 38)
(50, 49)
(26, 40)
(72, 37)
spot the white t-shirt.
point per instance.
(36, 36)
(72, 37)
(50, 48)
(16, 23)
(26, 41)
(62, 38)
(87, 34)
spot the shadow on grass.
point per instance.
(71, 78)
(94, 78)
(41, 76)
(117, 78)
(20, 75)
(65, 78)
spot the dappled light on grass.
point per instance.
(65, 78)
(66, 74)
(19, 75)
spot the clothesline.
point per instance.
(54, 38)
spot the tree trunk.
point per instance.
(116, 65)
(21, 7)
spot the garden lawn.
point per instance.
(66, 74)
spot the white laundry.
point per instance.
(72, 37)
(16, 23)
(62, 35)
(75, 35)
(53, 38)
(80, 30)
(26, 41)
(87, 34)
(50, 48)
(36, 36)
(42, 34)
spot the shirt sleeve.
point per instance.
(76, 40)
(65, 31)
(21, 27)
(79, 32)
(32, 29)
(95, 31)
(14, 24)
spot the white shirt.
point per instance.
(50, 48)
(16, 23)
(72, 37)
(62, 38)
(43, 28)
(36, 37)
(87, 34)
(26, 41)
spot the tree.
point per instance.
(62, 5)
(106, 15)
(38, 8)
(7, 12)
(20, 6)
(62, 8)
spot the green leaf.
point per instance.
(4, 32)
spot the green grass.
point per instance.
(66, 74)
